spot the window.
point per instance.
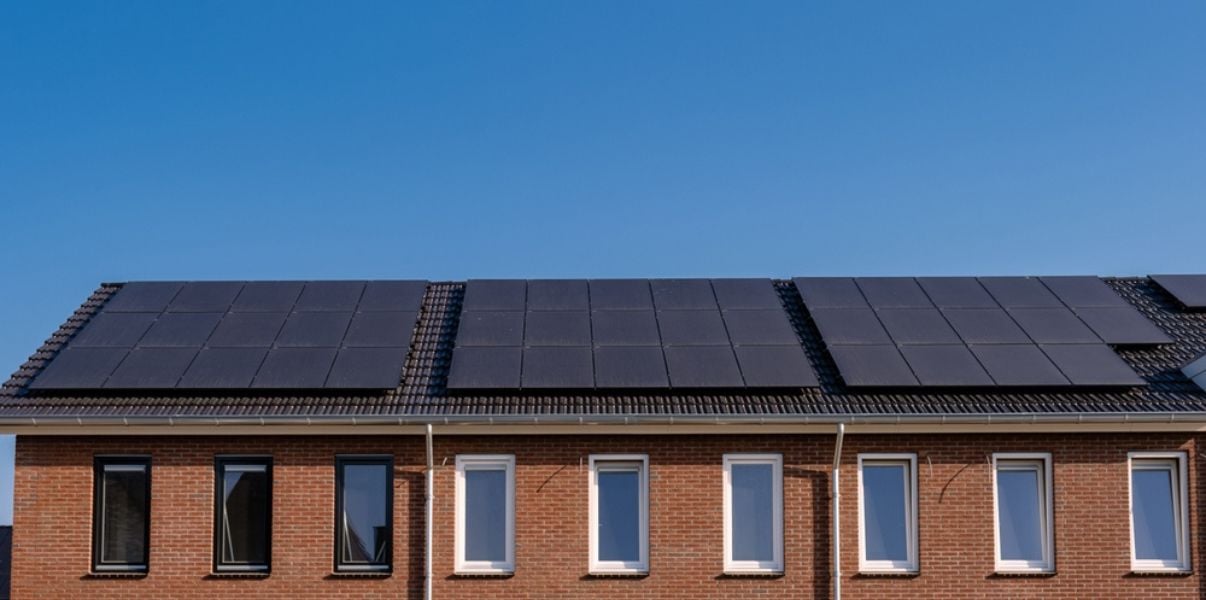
(243, 528)
(485, 514)
(364, 501)
(619, 513)
(1159, 511)
(753, 513)
(1022, 507)
(121, 513)
(887, 512)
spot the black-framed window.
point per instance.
(243, 515)
(364, 500)
(121, 522)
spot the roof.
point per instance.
(422, 391)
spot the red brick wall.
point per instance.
(54, 486)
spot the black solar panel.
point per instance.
(945, 365)
(1018, 365)
(630, 367)
(953, 331)
(683, 294)
(872, 366)
(830, 292)
(558, 368)
(893, 292)
(1122, 326)
(205, 296)
(703, 367)
(1091, 364)
(557, 328)
(223, 368)
(237, 335)
(746, 294)
(143, 296)
(1189, 290)
(621, 333)
(151, 368)
(956, 292)
(558, 294)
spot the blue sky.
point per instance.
(157, 140)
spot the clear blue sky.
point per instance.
(152, 140)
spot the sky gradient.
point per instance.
(232, 140)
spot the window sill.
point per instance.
(751, 574)
(116, 575)
(1160, 573)
(617, 574)
(889, 574)
(483, 574)
(238, 575)
(359, 574)
(1005, 574)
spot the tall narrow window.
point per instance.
(364, 503)
(485, 513)
(243, 531)
(121, 513)
(1022, 492)
(619, 513)
(887, 509)
(753, 513)
(1159, 512)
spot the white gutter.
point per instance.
(429, 579)
(635, 419)
(837, 513)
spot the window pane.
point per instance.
(245, 515)
(885, 506)
(753, 512)
(1155, 516)
(486, 515)
(619, 515)
(1020, 514)
(124, 518)
(365, 519)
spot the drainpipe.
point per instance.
(837, 519)
(427, 585)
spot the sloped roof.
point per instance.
(422, 393)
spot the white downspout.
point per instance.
(428, 581)
(837, 520)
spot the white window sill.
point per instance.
(618, 573)
(484, 572)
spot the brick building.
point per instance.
(943, 437)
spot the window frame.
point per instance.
(484, 462)
(220, 463)
(613, 567)
(775, 565)
(1177, 464)
(911, 564)
(387, 461)
(1047, 512)
(98, 518)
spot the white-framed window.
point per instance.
(619, 513)
(1159, 503)
(753, 513)
(485, 513)
(1022, 512)
(887, 512)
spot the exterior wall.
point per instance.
(54, 485)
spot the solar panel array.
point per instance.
(1189, 290)
(626, 333)
(238, 335)
(976, 332)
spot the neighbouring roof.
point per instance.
(422, 390)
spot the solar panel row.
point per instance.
(1189, 290)
(235, 335)
(969, 332)
(629, 333)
